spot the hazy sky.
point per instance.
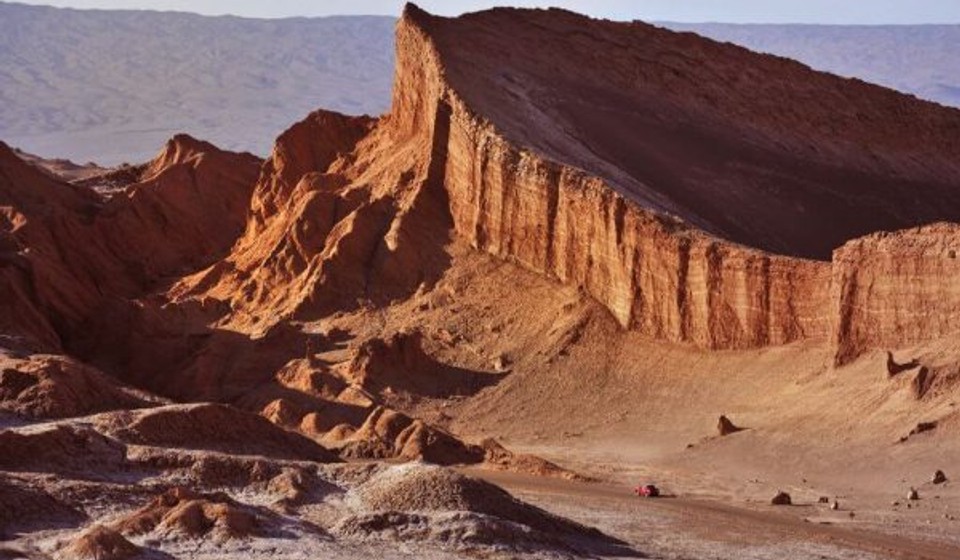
(753, 11)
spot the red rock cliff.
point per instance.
(895, 289)
(651, 168)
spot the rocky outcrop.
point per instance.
(67, 251)
(896, 289)
(513, 175)
(507, 150)
(181, 513)
(391, 434)
(663, 183)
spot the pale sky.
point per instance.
(739, 11)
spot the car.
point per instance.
(647, 491)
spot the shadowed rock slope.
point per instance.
(66, 251)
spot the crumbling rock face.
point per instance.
(896, 289)
(67, 252)
(300, 219)
(309, 146)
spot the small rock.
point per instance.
(852, 515)
(725, 427)
(923, 427)
(895, 503)
(939, 477)
(824, 500)
(781, 499)
(913, 495)
(835, 505)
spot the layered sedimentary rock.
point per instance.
(895, 289)
(654, 181)
(516, 140)
(753, 148)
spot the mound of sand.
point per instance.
(420, 488)
(499, 457)
(182, 513)
(391, 434)
(422, 503)
(24, 508)
(99, 543)
(60, 449)
(61, 387)
(214, 427)
(416, 488)
(399, 364)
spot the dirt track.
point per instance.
(759, 532)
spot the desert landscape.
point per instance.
(111, 86)
(577, 262)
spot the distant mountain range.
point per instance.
(112, 86)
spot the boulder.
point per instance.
(725, 427)
(782, 499)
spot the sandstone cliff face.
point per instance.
(515, 191)
(655, 273)
(350, 210)
(896, 289)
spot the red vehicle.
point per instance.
(647, 491)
